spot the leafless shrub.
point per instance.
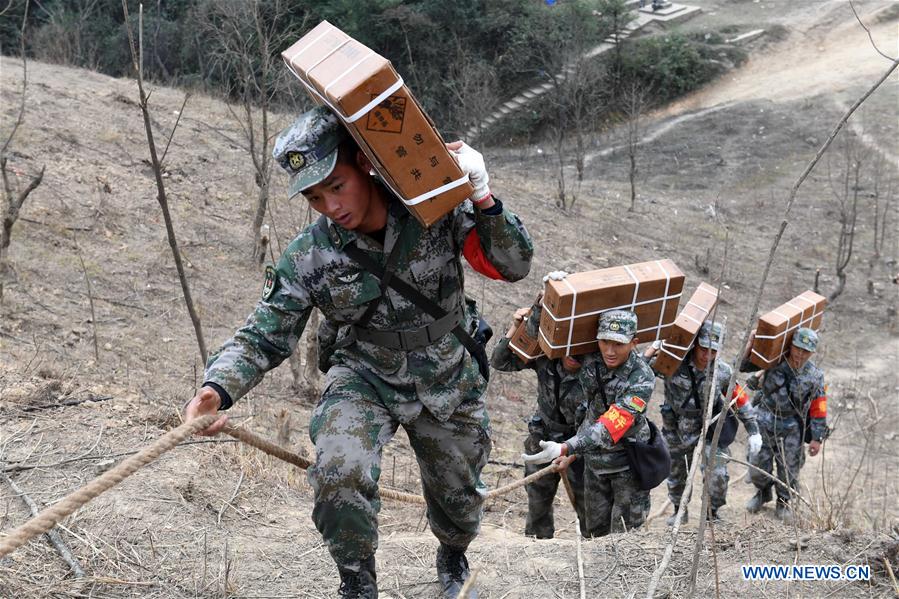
(845, 184)
(247, 43)
(635, 100)
(472, 83)
(14, 196)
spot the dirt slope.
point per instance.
(219, 519)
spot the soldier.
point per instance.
(560, 409)
(617, 384)
(792, 409)
(392, 363)
(684, 408)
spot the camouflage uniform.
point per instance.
(782, 404)
(616, 408)
(435, 392)
(560, 409)
(682, 426)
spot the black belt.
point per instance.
(408, 340)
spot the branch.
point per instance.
(868, 31)
(52, 535)
(697, 455)
(175, 128)
(160, 185)
(21, 116)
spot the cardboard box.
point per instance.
(522, 345)
(383, 117)
(686, 327)
(571, 306)
(774, 333)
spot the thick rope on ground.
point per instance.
(299, 461)
(49, 517)
(303, 463)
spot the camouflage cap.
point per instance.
(710, 335)
(617, 325)
(807, 339)
(307, 149)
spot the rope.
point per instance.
(50, 516)
(302, 463)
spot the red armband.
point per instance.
(818, 409)
(474, 253)
(617, 422)
(740, 395)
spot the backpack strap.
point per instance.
(444, 322)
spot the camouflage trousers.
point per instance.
(350, 426)
(681, 459)
(781, 447)
(612, 502)
(541, 494)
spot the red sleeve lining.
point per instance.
(474, 253)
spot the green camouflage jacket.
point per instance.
(787, 398)
(619, 412)
(560, 398)
(682, 416)
(315, 272)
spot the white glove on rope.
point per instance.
(556, 275)
(472, 163)
(657, 344)
(755, 445)
(551, 450)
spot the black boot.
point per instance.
(358, 580)
(783, 512)
(673, 517)
(452, 571)
(761, 497)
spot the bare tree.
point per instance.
(634, 100)
(845, 186)
(64, 37)
(575, 99)
(882, 194)
(14, 198)
(473, 85)
(137, 62)
(247, 42)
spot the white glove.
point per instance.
(755, 445)
(472, 163)
(657, 344)
(556, 275)
(551, 450)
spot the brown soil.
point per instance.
(220, 519)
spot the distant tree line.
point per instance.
(455, 55)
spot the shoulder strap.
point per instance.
(602, 390)
(694, 393)
(557, 383)
(429, 306)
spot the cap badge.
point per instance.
(296, 160)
